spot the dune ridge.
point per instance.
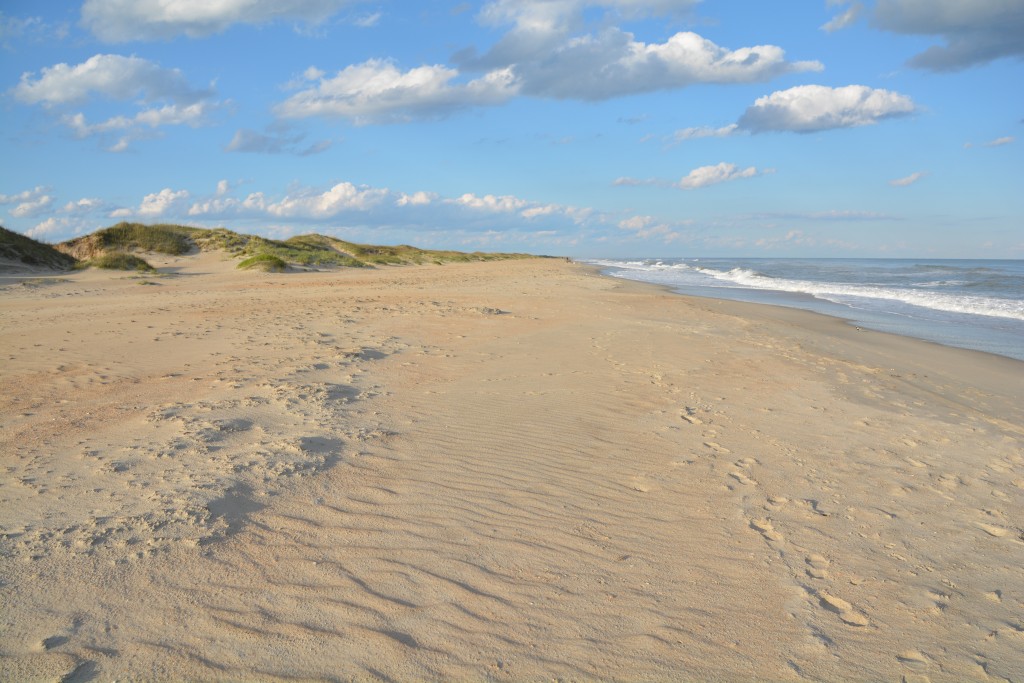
(494, 471)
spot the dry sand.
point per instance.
(494, 471)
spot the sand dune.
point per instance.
(494, 471)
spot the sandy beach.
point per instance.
(497, 471)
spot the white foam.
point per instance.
(840, 293)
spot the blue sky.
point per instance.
(572, 127)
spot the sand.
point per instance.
(495, 471)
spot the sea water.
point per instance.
(970, 304)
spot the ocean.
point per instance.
(965, 303)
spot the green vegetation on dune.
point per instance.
(265, 262)
(164, 239)
(18, 247)
(118, 260)
(302, 250)
(402, 254)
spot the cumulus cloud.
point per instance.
(698, 177)
(416, 199)
(974, 32)
(544, 55)
(342, 197)
(48, 228)
(23, 196)
(719, 173)
(168, 115)
(613, 64)
(173, 102)
(118, 21)
(28, 202)
(376, 91)
(541, 26)
(32, 207)
(811, 108)
(553, 58)
(112, 76)
(166, 202)
(83, 206)
(490, 202)
(908, 180)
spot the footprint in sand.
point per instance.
(913, 659)
(842, 608)
(716, 447)
(817, 566)
(996, 531)
(767, 529)
(742, 478)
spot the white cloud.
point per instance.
(999, 142)
(169, 115)
(368, 21)
(698, 177)
(613, 63)
(166, 202)
(48, 227)
(112, 76)
(975, 32)
(719, 173)
(23, 196)
(540, 26)
(119, 78)
(553, 59)
(703, 132)
(274, 142)
(908, 180)
(127, 20)
(32, 207)
(648, 227)
(490, 202)
(28, 203)
(342, 197)
(84, 205)
(378, 92)
(416, 199)
(810, 108)
(845, 19)
(538, 57)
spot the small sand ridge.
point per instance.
(494, 471)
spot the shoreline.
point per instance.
(997, 340)
(1002, 367)
(503, 471)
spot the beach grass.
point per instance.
(118, 260)
(18, 247)
(310, 250)
(266, 262)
